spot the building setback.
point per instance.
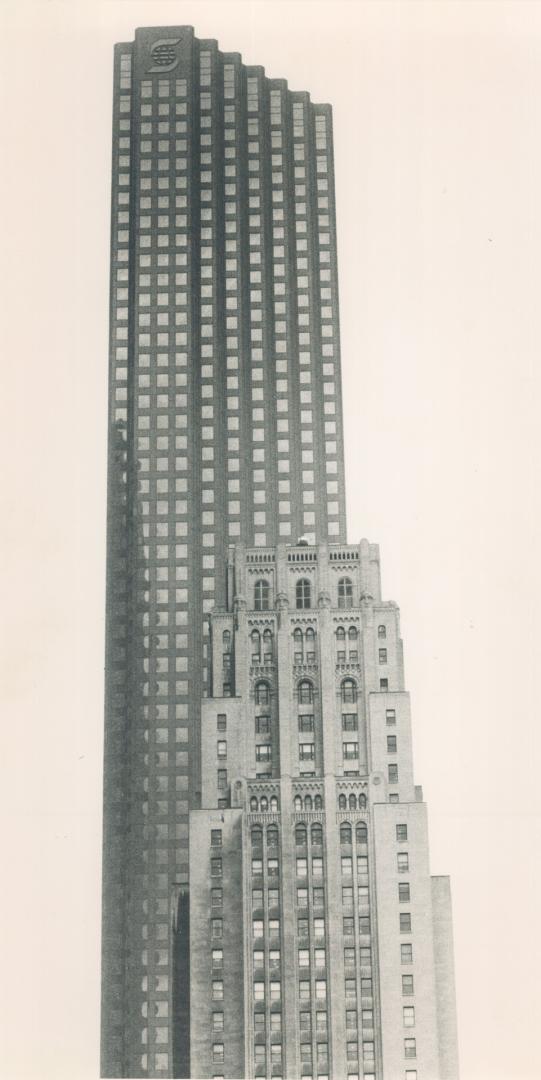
(225, 435)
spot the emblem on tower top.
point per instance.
(164, 54)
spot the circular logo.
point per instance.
(164, 54)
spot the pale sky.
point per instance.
(437, 118)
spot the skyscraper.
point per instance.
(226, 436)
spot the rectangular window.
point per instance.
(365, 956)
(321, 989)
(218, 1052)
(257, 894)
(216, 837)
(362, 865)
(216, 928)
(259, 1023)
(349, 956)
(364, 924)
(216, 867)
(319, 896)
(383, 656)
(259, 991)
(302, 868)
(305, 1021)
(408, 1013)
(257, 867)
(411, 1074)
(403, 892)
(302, 895)
(367, 1016)
(217, 990)
(319, 957)
(350, 989)
(221, 749)
(407, 984)
(349, 722)
(406, 954)
(393, 774)
(366, 987)
(351, 1018)
(304, 990)
(218, 1021)
(263, 752)
(217, 958)
(351, 751)
(391, 744)
(222, 779)
(405, 922)
(401, 833)
(384, 684)
(348, 926)
(390, 716)
(347, 865)
(347, 895)
(216, 898)
(262, 725)
(221, 722)
(306, 722)
(274, 897)
(403, 862)
(317, 867)
(304, 958)
(307, 751)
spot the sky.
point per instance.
(437, 121)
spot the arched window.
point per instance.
(317, 834)
(297, 803)
(310, 635)
(305, 692)
(345, 833)
(349, 690)
(274, 803)
(253, 803)
(262, 693)
(257, 836)
(226, 639)
(345, 593)
(267, 645)
(261, 596)
(342, 802)
(298, 648)
(272, 835)
(318, 803)
(264, 803)
(382, 631)
(256, 644)
(362, 802)
(340, 633)
(352, 802)
(303, 594)
(307, 802)
(300, 834)
(361, 833)
(353, 633)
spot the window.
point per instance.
(305, 1021)
(390, 716)
(257, 894)
(216, 867)
(321, 989)
(216, 927)
(272, 836)
(347, 865)
(259, 1023)
(261, 596)
(260, 1054)
(218, 1052)
(382, 632)
(221, 748)
(351, 751)
(274, 897)
(348, 690)
(411, 1074)
(255, 645)
(302, 896)
(317, 867)
(216, 837)
(405, 922)
(319, 927)
(253, 803)
(345, 593)
(347, 895)
(403, 892)
(406, 954)
(362, 865)
(351, 1018)
(348, 926)
(272, 867)
(221, 722)
(306, 722)
(342, 802)
(222, 779)
(257, 867)
(257, 927)
(307, 751)
(304, 989)
(258, 958)
(217, 990)
(350, 988)
(305, 692)
(318, 802)
(306, 1051)
(362, 893)
(302, 868)
(300, 835)
(262, 725)
(367, 1016)
(216, 898)
(263, 752)
(368, 1051)
(304, 958)
(349, 721)
(256, 836)
(365, 956)
(262, 693)
(217, 958)
(340, 633)
(391, 744)
(384, 684)
(361, 833)
(407, 984)
(349, 956)
(364, 925)
(303, 594)
(218, 1021)
(319, 896)
(401, 833)
(366, 987)
(382, 655)
(317, 834)
(276, 1022)
(408, 1013)
(393, 774)
(410, 1048)
(345, 833)
(403, 862)
(259, 991)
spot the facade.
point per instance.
(225, 434)
(320, 945)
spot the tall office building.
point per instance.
(226, 436)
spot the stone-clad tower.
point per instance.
(225, 427)
(320, 945)
(267, 905)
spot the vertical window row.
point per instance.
(266, 955)
(208, 317)
(280, 315)
(255, 236)
(327, 322)
(232, 287)
(303, 320)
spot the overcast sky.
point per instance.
(437, 119)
